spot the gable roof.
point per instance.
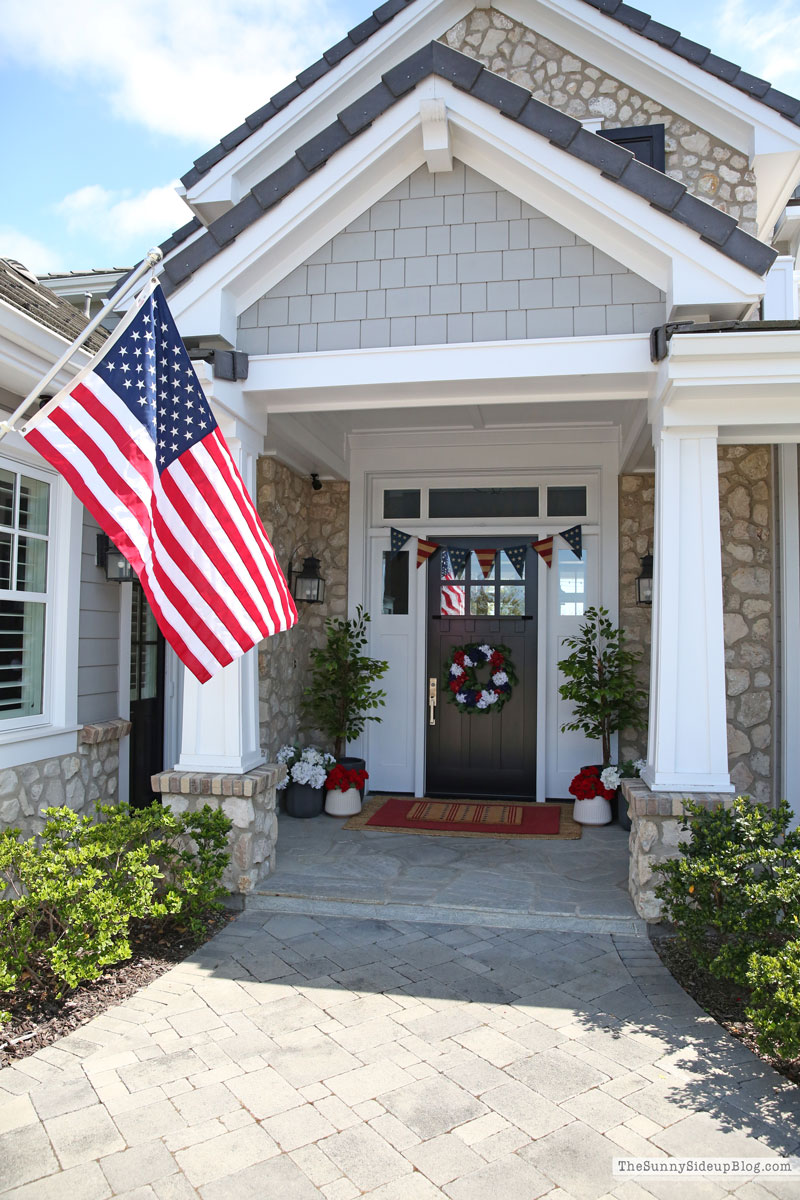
(632, 18)
(514, 102)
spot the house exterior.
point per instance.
(493, 272)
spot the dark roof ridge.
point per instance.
(633, 18)
(514, 102)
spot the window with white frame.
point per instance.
(24, 590)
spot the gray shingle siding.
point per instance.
(448, 258)
(98, 636)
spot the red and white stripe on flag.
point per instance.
(135, 438)
(452, 593)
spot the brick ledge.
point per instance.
(204, 783)
(104, 731)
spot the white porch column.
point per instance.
(687, 739)
(220, 733)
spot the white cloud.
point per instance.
(123, 220)
(41, 259)
(763, 38)
(192, 68)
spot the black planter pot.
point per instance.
(354, 764)
(304, 801)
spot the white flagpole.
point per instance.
(148, 262)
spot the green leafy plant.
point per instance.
(341, 695)
(734, 890)
(71, 896)
(774, 1006)
(601, 681)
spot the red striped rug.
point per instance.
(466, 818)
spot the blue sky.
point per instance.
(95, 136)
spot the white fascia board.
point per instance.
(770, 142)
(695, 276)
(313, 110)
(713, 105)
(557, 369)
(730, 379)
(28, 350)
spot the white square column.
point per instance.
(220, 732)
(687, 735)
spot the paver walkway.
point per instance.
(296, 1057)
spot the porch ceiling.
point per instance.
(319, 441)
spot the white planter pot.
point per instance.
(343, 804)
(596, 811)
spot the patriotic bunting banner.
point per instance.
(136, 440)
(486, 560)
(458, 560)
(516, 556)
(425, 550)
(574, 539)
(544, 548)
(398, 540)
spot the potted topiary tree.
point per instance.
(339, 699)
(606, 696)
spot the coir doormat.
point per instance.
(466, 818)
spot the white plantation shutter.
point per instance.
(24, 548)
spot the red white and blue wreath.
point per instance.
(461, 677)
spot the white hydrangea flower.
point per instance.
(311, 773)
(468, 661)
(328, 760)
(456, 670)
(313, 756)
(640, 764)
(493, 696)
(285, 753)
(460, 698)
(485, 649)
(483, 700)
(499, 678)
(610, 778)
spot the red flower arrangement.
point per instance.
(344, 778)
(587, 784)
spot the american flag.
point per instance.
(136, 440)
(452, 597)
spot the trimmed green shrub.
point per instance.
(70, 896)
(735, 889)
(774, 1005)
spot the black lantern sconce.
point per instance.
(644, 582)
(111, 560)
(306, 585)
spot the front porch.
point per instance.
(514, 883)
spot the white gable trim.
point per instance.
(770, 141)
(697, 278)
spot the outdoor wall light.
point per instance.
(644, 582)
(113, 561)
(316, 482)
(306, 585)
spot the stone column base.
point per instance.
(250, 802)
(655, 836)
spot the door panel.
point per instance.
(491, 754)
(147, 700)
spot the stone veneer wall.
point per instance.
(709, 168)
(748, 591)
(75, 780)
(295, 515)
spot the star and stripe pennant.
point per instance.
(424, 550)
(458, 559)
(397, 539)
(135, 438)
(574, 539)
(544, 548)
(486, 560)
(516, 555)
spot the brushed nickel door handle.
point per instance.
(433, 697)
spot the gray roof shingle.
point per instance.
(517, 104)
(624, 14)
(45, 307)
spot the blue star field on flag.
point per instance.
(574, 539)
(397, 539)
(149, 370)
(458, 560)
(516, 556)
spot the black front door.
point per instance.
(147, 700)
(485, 754)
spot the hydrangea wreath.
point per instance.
(461, 677)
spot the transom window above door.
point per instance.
(486, 503)
(470, 593)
